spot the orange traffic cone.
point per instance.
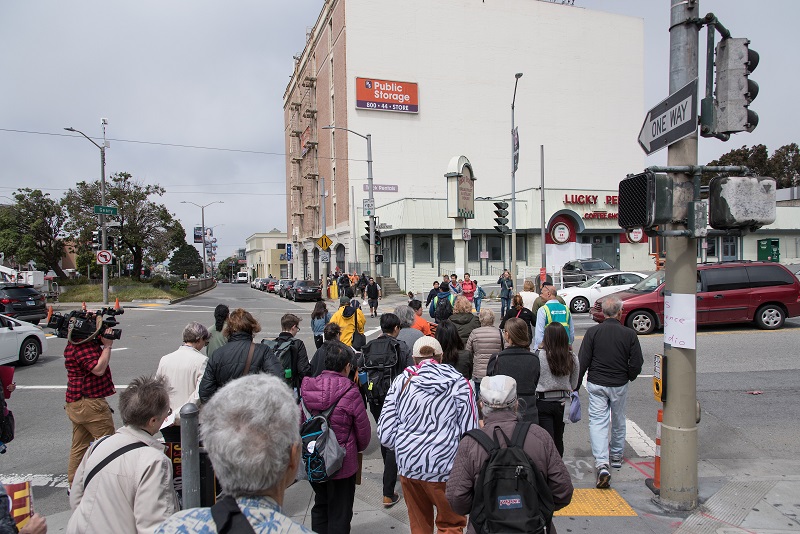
(116, 304)
(83, 307)
(49, 313)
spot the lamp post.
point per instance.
(203, 225)
(368, 137)
(103, 233)
(514, 151)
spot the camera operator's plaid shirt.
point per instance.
(81, 382)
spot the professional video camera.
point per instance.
(80, 326)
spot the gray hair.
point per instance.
(486, 410)
(486, 317)
(248, 428)
(194, 332)
(144, 398)
(406, 315)
(611, 306)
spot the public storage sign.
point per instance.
(387, 95)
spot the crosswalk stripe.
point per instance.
(638, 440)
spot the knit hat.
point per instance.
(343, 300)
(499, 391)
(427, 341)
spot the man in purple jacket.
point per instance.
(333, 499)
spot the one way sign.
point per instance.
(671, 120)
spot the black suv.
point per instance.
(578, 271)
(22, 302)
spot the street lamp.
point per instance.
(514, 153)
(203, 224)
(368, 137)
(103, 233)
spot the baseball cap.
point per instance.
(427, 341)
(343, 300)
(499, 391)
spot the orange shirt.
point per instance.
(422, 325)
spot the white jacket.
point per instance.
(132, 494)
(184, 369)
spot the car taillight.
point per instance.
(8, 301)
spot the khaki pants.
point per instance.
(91, 419)
(421, 497)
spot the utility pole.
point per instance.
(541, 209)
(514, 159)
(325, 264)
(373, 271)
(679, 428)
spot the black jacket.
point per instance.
(523, 366)
(317, 364)
(526, 315)
(611, 353)
(300, 365)
(372, 291)
(432, 293)
(465, 324)
(228, 361)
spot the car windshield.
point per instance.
(21, 292)
(650, 283)
(597, 265)
(591, 281)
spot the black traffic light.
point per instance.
(645, 200)
(365, 237)
(378, 238)
(501, 217)
(734, 89)
(378, 258)
(97, 240)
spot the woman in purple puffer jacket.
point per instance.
(333, 499)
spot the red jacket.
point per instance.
(468, 287)
(348, 420)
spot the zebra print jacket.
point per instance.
(427, 410)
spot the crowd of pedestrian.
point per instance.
(443, 393)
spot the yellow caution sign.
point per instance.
(324, 242)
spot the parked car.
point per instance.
(581, 297)
(20, 342)
(23, 302)
(579, 271)
(254, 283)
(271, 285)
(736, 292)
(241, 278)
(305, 290)
(283, 289)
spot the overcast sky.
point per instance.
(211, 74)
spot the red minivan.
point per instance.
(736, 292)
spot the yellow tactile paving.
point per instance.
(597, 502)
(151, 305)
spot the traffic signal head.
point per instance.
(736, 202)
(97, 240)
(501, 217)
(734, 90)
(378, 258)
(365, 237)
(645, 200)
(378, 238)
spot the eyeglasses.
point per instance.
(206, 341)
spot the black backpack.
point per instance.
(283, 351)
(379, 359)
(512, 495)
(443, 308)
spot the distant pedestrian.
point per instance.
(291, 353)
(410, 296)
(362, 285)
(350, 320)
(558, 378)
(442, 312)
(519, 311)
(432, 293)
(419, 323)
(518, 362)
(453, 348)
(463, 318)
(319, 318)
(528, 294)
(480, 294)
(133, 492)
(611, 354)
(374, 294)
(239, 357)
(216, 340)
(468, 286)
(482, 343)
(506, 289)
(184, 369)
(455, 286)
(553, 311)
(331, 334)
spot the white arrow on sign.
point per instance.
(671, 120)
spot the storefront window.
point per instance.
(401, 249)
(447, 249)
(422, 249)
(494, 244)
(473, 248)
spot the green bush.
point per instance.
(179, 285)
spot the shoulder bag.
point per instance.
(359, 339)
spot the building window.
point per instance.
(333, 108)
(401, 249)
(728, 247)
(422, 249)
(333, 140)
(281, 246)
(522, 248)
(494, 244)
(447, 249)
(473, 248)
(585, 239)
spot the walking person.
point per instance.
(519, 311)
(518, 362)
(463, 318)
(468, 287)
(239, 357)
(506, 289)
(291, 352)
(124, 482)
(333, 499)
(319, 318)
(374, 294)
(184, 369)
(408, 334)
(429, 407)
(558, 378)
(552, 311)
(482, 343)
(548, 290)
(442, 312)
(611, 354)
(216, 339)
(363, 281)
(480, 294)
(528, 294)
(351, 320)
(331, 334)
(455, 286)
(432, 293)
(500, 406)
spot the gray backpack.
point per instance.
(322, 454)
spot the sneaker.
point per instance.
(616, 461)
(603, 477)
(388, 502)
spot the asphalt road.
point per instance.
(732, 361)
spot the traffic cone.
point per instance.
(83, 307)
(116, 304)
(49, 313)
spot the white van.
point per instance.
(241, 278)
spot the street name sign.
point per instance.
(671, 120)
(105, 210)
(324, 242)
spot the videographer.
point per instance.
(88, 384)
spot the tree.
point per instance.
(786, 165)
(226, 266)
(783, 165)
(148, 231)
(33, 229)
(186, 261)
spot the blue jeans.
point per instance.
(505, 305)
(606, 404)
(477, 303)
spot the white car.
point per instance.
(580, 298)
(20, 342)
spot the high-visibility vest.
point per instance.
(558, 313)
